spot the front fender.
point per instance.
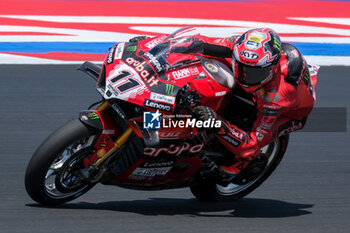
(105, 129)
(91, 118)
(99, 121)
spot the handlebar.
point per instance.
(187, 99)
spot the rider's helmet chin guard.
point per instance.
(256, 55)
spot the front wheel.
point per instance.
(249, 179)
(52, 174)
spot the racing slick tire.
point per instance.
(51, 177)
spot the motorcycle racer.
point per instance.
(276, 77)
(272, 76)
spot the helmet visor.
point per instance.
(251, 76)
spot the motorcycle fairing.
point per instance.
(151, 174)
(173, 164)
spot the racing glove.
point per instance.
(204, 113)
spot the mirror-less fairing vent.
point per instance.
(129, 110)
(91, 69)
(102, 80)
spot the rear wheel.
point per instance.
(248, 180)
(52, 174)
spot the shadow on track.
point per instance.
(247, 208)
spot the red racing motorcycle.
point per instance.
(142, 135)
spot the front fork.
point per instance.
(93, 172)
(117, 145)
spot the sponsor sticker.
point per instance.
(151, 172)
(100, 153)
(156, 64)
(267, 122)
(184, 73)
(237, 134)
(249, 55)
(272, 106)
(140, 68)
(108, 131)
(104, 141)
(231, 141)
(294, 53)
(118, 110)
(110, 57)
(211, 67)
(119, 51)
(290, 126)
(277, 45)
(93, 116)
(270, 112)
(174, 149)
(313, 70)
(271, 96)
(255, 39)
(266, 125)
(261, 130)
(155, 42)
(220, 40)
(84, 118)
(112, 90)
(259, 136)
(157, 164)
(158, 105)
(306, 78)
(252, 45)
(169, 88)
(170, 135)
(131, 48)
(163, 98)
(221, 93)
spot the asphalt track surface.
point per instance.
(309, 191)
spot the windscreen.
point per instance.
(175, 49)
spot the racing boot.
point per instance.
(232, 170)
(228, 173)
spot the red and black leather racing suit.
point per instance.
(282, 105)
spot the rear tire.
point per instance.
(208, 190)
(50, 177)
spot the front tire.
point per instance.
(208, 190)
(51, 177)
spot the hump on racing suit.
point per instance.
(295, 63)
